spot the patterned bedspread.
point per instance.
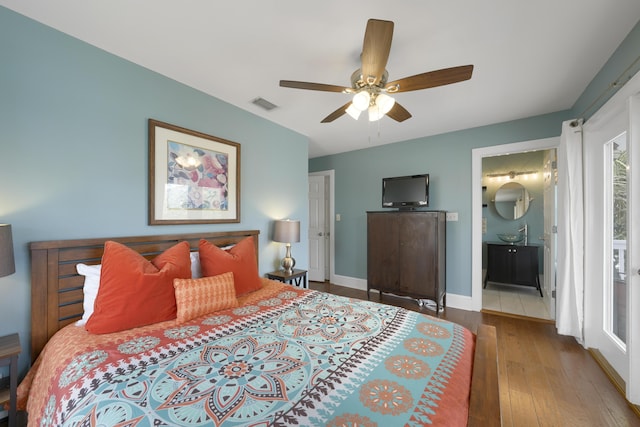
(286, 356)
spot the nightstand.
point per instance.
(297, 278)
(9, 351)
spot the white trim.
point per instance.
(350, 282)
(633, 289)
(462, 302)
(476, 203)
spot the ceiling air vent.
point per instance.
(263, 103)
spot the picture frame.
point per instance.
(194, 178)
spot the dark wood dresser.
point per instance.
(406, 253)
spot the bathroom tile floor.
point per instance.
(513, 299)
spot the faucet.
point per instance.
(524, 230)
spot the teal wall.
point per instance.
(447, 158)
(73, 146)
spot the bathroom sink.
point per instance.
(510, 238)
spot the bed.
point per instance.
(280, 356)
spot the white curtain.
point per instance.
(570, 259)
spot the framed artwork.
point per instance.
(194, 178)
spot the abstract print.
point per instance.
(196, 178)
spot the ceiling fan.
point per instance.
(369, 84)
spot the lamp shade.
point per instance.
(353, 112)
(361, 100)
(383, 104)
(286, 231)
(7, 263)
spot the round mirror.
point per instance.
(512, 200)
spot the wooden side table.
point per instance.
(297, 278)
(9, 351)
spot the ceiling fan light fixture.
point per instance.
(381, 106)
(385, 103)
(353, 111)
(361, 100)
(375, 113)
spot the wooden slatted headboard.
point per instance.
(56, 287)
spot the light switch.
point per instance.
(338, 217)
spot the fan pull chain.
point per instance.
(369, 130)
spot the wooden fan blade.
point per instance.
(399, 113)
(313, 86)
(375, 49)
(338, 113)
(431, 79)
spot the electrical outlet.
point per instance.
(452, 216)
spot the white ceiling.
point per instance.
(530, 57)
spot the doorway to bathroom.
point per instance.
(517, 190)
(513, 230)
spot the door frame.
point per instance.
(550, 243)
(477, 154)
(330, 217)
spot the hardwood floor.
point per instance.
(545, 379)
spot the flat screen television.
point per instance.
(406, 192)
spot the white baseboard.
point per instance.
(461, 302)
(349, 282)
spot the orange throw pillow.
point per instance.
(240, 259)
(135, 292)
(197, 297)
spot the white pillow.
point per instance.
(196, 270)
(91, 275)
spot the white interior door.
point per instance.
(317, 228)
(550, 235)
(612, 231)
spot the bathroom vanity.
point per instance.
(513, 264)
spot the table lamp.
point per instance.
(287, 231)
(7, 263)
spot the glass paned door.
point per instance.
(612, 234)
(617, 196)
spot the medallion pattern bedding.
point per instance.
(284, 356)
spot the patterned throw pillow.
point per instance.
(197, 297)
